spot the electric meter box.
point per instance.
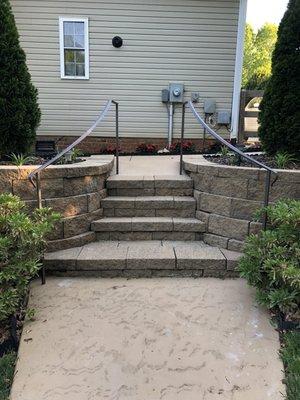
(209, 106)
(223, 117)
(176, 92)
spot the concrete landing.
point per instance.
(169, 339)
(146, 165)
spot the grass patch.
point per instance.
(290, 355)
(7, 369)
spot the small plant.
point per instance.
(19, 159)
(187, 147)
(145, 148)
(283, 159)
(76, 153)
(22, 243)
(224, 151)
(271, 260)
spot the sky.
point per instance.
(261, 11)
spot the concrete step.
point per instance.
(147, 228)
(149, 206)
(142, 258)
(152, 185)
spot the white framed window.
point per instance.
(74, 48)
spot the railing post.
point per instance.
(182, 137)
(266, 198)
(39, 204)
(117, 138)
(38, 190)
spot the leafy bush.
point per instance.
(280, 117)
(187, 147)
(271, 260)
(19, 111)
(290, 355)
(22, 242)
(145, 148)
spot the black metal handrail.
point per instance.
(35, 176)
(208, 129)
(36, 173)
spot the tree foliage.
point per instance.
(19, 111)
(280, 108)
(258, 49)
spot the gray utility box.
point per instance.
(223, 117)
(209, 106)
(176, 92)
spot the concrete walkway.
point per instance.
(147, 339)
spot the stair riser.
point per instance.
(150, 192)
(132, 212)
(131, 236)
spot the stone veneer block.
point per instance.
(234, 187)
(244, 209)
(215, 204)
(175, 213)
(75, 241)
(125, 182)
(80, 223)
(107, 255)
(184, 202)
(228, 227)
(188, 225)
(50, 188)
(93, 200)
(152, 224)
(112, 224)
(64, 259)
(150, 255)
(172, 182)
(232, 259)
(69, 206)
(173, 192)
(174, 236)
(215, 240)
(255, 227)
(118, 202)
(236, 245)
(195, 256)
(154, 202)
(204, 217)
(83, 184)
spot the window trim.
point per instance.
(62, 47)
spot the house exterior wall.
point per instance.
(190, 41)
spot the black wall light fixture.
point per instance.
(117, 42)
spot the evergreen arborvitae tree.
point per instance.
(280, 107)
(19, 110)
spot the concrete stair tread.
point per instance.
(137, 201)
(141, 255)
(133, 224)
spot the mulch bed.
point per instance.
(237, 161)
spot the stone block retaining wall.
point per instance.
(74, 190)
(228, 196)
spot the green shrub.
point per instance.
(280, 116)
(271, 259)
(7, 368)
(19, 111)
(22, 242)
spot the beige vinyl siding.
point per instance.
(189, 41)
